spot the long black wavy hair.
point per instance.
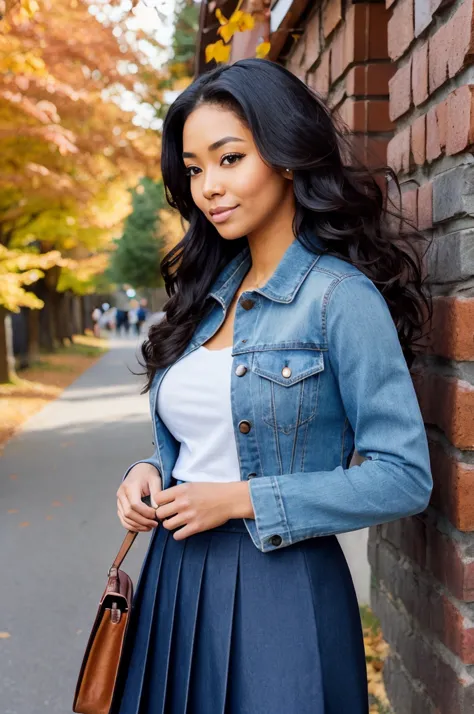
(336, 198)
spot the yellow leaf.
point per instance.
(24, 523)
(220, 17)
(4, 635)
(218, 51)
(238, 22)
(262, 50)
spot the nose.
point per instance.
(212, 186)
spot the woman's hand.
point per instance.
(142, 480)
(196, 507)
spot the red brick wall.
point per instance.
(407, 71)
(343, 55)
(424, 567)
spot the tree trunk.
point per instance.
(33, 336)
(7, 361)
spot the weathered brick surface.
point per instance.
(398, 74)
(450, 561)
(453, 492)
(434, 611)
(453, 322)
(448, 403)
(450, 691)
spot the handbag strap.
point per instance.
(124, 548)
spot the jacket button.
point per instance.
(244, 426)
(276, 540)
(247, 304)
(241, 369)
(286, 372)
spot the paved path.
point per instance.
(68, 462)
(72, 453)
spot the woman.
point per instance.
(278, 355)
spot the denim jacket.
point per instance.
(317, 371)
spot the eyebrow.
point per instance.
(213, 147)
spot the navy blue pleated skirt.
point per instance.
(218, 627)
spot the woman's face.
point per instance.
(227, 172)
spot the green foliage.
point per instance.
(137, 257)
(184, 38)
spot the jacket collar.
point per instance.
(282, 286)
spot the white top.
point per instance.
(194, 404)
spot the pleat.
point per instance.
(343, 667)
(156, 671)
(186, 620)
(275, 662)
(141, 622)
(209, 672)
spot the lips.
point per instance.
(219, 215)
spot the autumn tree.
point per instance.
(69, 150)
(139, 251)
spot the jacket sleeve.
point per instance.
(153, 460)
(377, 391)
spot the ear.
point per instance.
(288, 174)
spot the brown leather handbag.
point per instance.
(100, 667)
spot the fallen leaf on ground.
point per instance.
(24, 523)
(13, 477)
(56, 503)
(49, 518)
(4, 635)
(13, 510)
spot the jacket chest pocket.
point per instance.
(288, 386)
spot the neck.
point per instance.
(269, 243)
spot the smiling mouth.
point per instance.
(223, 215)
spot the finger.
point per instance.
(135, 518)
(127, 498)
(184, 532)
(166, 511)
(166, 496)
(127, 523)
(178, 520)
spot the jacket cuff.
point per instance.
(269, 531)
(151, 461)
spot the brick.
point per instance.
(448, 403)
(423, 16)
(435, 612)
(451, 258)
(398, 152)
(435, 131)
(369, 79)
(425, 206)
(409, 204)
(451, 47)
(461, 47)
(453, 492)
(405, 695)
(353, 113)
(400, 91)
(451, 689)
(438, 58)
(312, 39)
(375, 155)
(400, 29)
(453, 194)
(332, 16)
(318, 79)
(378, 29)
(420, 75)
(460, 120)
(338, 55)
(378, 116)
(453, 331)
(450, 561)
(418, 140)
